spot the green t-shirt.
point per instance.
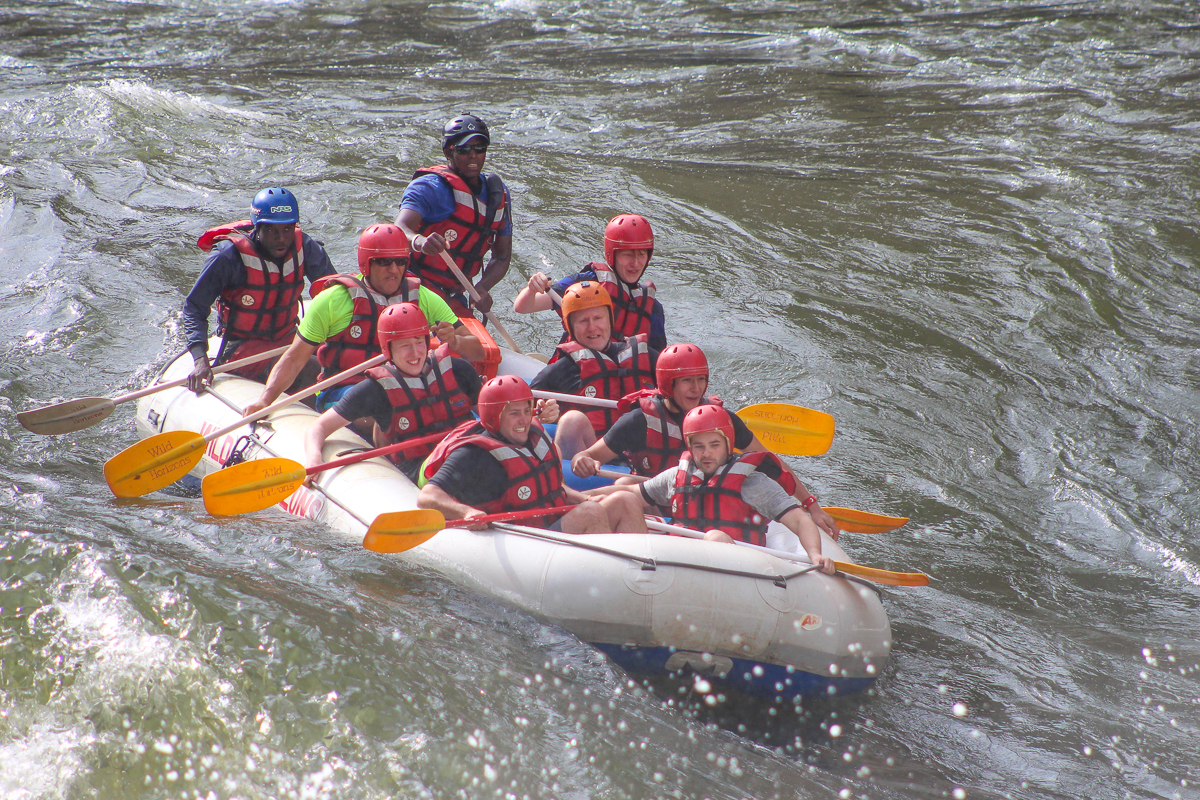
(330, 312)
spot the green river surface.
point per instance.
(965, 229)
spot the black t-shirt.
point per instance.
(369, 399)
(563, 375)
(628, 434)
(472, 476)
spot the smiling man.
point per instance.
(458, 209)
(591, 364)
(339, 326)
(255, 271)
(731, 497)
(506, 462)
(417, 392)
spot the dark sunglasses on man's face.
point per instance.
(390, 262)
(463, 149)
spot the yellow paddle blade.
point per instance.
(68, 417)
(251, 486)
(852, 520)
(153, 463)
(398, 531)
(789, 430)
(883, 575)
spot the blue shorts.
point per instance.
(328, 398)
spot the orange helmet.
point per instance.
(381, 241)
(703, 419)
(582, 296)
(496, 394)
(627, 232)
(400, 321)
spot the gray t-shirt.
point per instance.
(763, 494)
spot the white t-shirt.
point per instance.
(763, 494)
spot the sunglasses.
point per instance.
(463, 149)
(390, 262)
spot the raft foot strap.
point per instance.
(238, 454)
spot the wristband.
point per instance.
(809, 503)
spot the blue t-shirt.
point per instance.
(433, 199)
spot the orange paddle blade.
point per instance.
(883, 576)
(153, 463)
(789, 430)
(852, 520)
(398, 531)
(251, 486)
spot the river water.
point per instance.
(965, 229)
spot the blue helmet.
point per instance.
(276, 205)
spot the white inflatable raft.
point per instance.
(654, 604)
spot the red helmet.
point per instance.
(679, 361)
(381, 241)
(400, 321)
(582, 296)
(627, 232)
(703, 419)
(496, 394)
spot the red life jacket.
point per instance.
(632, 310)
(267, 306)
(604, 376)
(431, 402)
(469, 233)
(534, 470)
(717, 502)
(664, 438)
(359, 342)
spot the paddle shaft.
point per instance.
(893, 578)
(608, 473)
(84, 412)
(577, 399)
(470, 287)
(397, 531)
(692, 533)
(232, 365)
(295, 398)
(506, 516)
(378, 451)
(845, 523)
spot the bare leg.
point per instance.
(575, 434)
(586, 518)
(624, 510)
